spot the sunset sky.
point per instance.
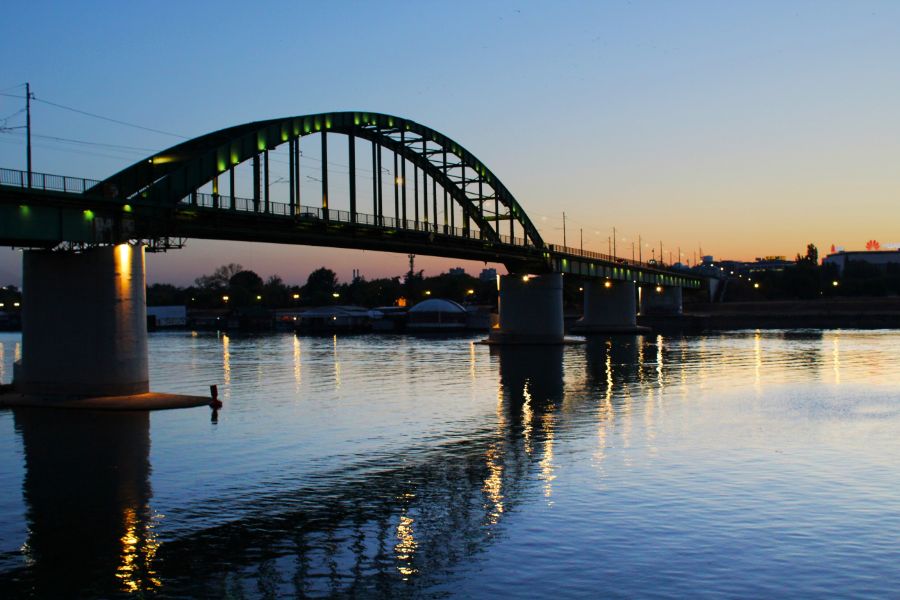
(749, 129)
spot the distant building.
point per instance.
(879, 258)
(166, 316)
(488, 275)
(437, 314)
(457, 271)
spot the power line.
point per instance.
(102, 145)
(111, 120)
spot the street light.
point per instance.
(335, 295)
(470, 292)
(756, 286)
(834, 283)
(224, 298)
(427, 292)
(296, 296)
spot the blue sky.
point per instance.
(750, 128)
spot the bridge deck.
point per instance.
(54, 209)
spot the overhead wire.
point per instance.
(111, 120)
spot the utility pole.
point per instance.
(632, 250)
(640, 246)
(564, 228)
(660, 251)
(608, 246)
(581, 238)
(28, 129)
(614, 242)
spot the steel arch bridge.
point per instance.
(455, 206)
(483, 201)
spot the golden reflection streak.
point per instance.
(493, 483)
(405, 548)
(605, 412)
(640, 343)
(139, 547)
(472, 361)
(298, 375)
(546, 464)
(836, 357)
(527, 418)
(226, 359)
(337, 363)
(17, 352)
(659, 361)
(2, 357)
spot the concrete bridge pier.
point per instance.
(609, 307)
(84, 323)
(661, 300)
(531, 310)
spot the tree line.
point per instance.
(232, 286)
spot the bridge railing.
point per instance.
(605, 257)
(316, 213)
(45, 181)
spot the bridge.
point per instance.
(408, 188)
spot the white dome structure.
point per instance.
(437, 314)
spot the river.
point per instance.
(740, 464)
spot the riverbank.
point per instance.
(831, 313)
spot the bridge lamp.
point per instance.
(756, 286)
(659, 289)
(525, 278)
(834, 283)
(581, 289)
(607, 284)
(224, 298)
(17, 304)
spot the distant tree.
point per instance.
(812, 254)
(320, 285)
(275, 292)
(220, 278)
(244, 287)
(811, 259)
(164, 294)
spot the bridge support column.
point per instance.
(661, 300)
(609, 307)
(84, 323)
(531, 310)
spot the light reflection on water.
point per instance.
(748, 463)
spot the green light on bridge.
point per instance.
(127, 208)
(88, 215)
(24, 210)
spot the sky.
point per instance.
(745, 129)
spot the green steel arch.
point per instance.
(169, 176)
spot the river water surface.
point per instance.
(741, 464)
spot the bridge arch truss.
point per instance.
(466, 198)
